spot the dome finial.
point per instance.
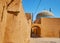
(50, 9)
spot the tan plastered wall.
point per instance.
(14, 28)
(3, 17)
(50, 27)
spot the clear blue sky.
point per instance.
(31, 6)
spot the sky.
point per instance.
(36, 6)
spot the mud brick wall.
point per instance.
(50, 27)
(14, 27)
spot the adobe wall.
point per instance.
(3, 16)
(14, 27)
(18, 30)
(50, 27)
(29, 18)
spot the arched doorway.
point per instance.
(36, 31)
(59, 34)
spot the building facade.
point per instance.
(49, 26)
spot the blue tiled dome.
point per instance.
(45, 14)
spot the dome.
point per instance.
(48, 13)
(45, 13)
